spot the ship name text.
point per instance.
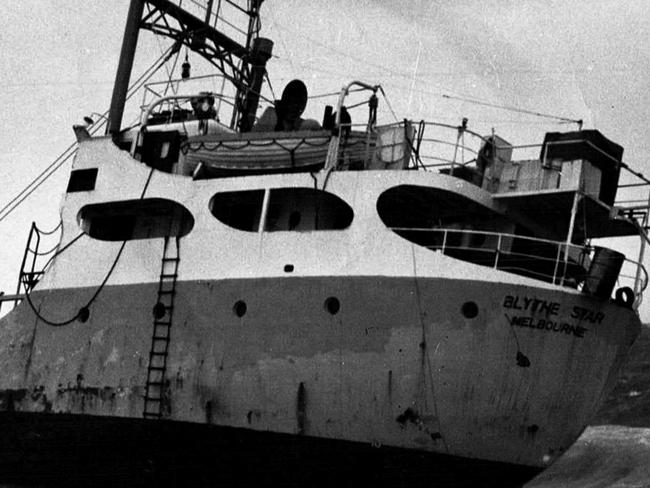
(537, 305)
(548, 325)
(531, 304)
(528, 310)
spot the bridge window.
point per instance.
(239, 209)
(287, 209)
(135, 219)
(305, 209)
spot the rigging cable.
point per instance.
(426, 358)
(83, 311)
(381, 88)
(176, 48)
(268, 82)
(579, 122)
(514, 109)
(18, 199)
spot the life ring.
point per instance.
(625, 296)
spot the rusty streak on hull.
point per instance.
(397, 365)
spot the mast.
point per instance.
(242, 65)
(125, 66)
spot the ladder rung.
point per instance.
(163, 323)
(169, 275)
(166, 292)
(156, 353)
(168, 260)
(157, 368)
(155, 383)
(161, 338)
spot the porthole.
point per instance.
(332, 305)
(239, 309)
(469, 310)
(159, 311)
(84, 314)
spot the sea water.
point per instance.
(615, 450)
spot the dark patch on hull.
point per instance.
(301, 407)
(76, 450)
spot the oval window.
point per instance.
(289, 209)
(146, 218)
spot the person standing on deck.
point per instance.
(285, 116)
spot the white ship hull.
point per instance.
(419, 351)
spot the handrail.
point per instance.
(30, 269)
(168, 98)
(560, 275)
(344, 93)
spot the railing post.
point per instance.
(557, 263)
(496, 256)
(25, 256)
(572, 221)
(444, 241)
(265, 209)
(644, 224)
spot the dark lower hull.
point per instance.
(73, 450)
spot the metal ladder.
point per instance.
(162, 322)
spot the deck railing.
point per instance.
(169, 101)
(563, 264)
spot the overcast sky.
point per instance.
(578, 59)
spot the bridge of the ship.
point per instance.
(563, 190)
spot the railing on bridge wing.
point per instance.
(173, 99)
(572, 266)
(35, 259)
(460, 152)
(35, 262)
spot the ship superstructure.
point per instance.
(408, 303)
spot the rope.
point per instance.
(84, 310)
(50, 232)
(214, 146)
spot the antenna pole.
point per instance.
(125, 65)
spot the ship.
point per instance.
(400, 303)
